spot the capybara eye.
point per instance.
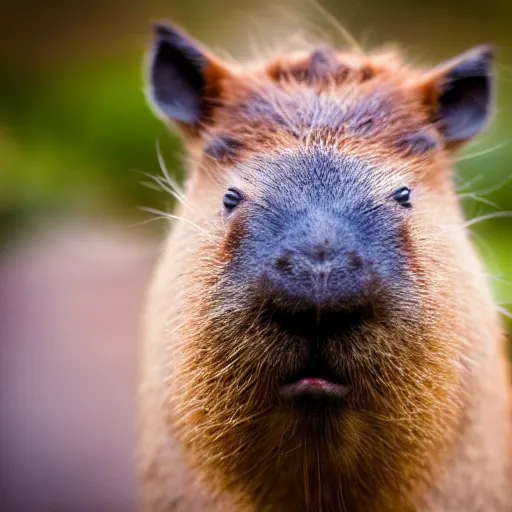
(232, 199)
(403, 196)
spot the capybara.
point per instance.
(319, 333)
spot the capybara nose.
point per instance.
(330, 273)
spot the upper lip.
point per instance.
(316, 325)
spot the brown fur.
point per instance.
(427, 426)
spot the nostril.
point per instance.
(355, 260)
(283, 264)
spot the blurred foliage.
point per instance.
(75, 128)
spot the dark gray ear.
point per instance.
(465, 99)
(178, 76)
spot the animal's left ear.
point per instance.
(460, 94)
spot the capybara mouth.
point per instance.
(316, 380)
(314, 388)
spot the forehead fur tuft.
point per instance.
(322, 94)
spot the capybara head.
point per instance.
(318, 342)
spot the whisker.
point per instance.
(173, 187)
(494, 188)
(499, 279)
(147, 221)
(163, 167)
(488, 216)
(178, 192)
(505, 312)
(475, 197)
(171, 216)
(469, 183)
(165, 187)
(151, 185)
(349, 38)
(483, 152)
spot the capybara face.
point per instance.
(322, 244)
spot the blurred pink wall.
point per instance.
(69, 312)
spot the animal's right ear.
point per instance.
(183, 82)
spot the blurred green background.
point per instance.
(75, 132)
